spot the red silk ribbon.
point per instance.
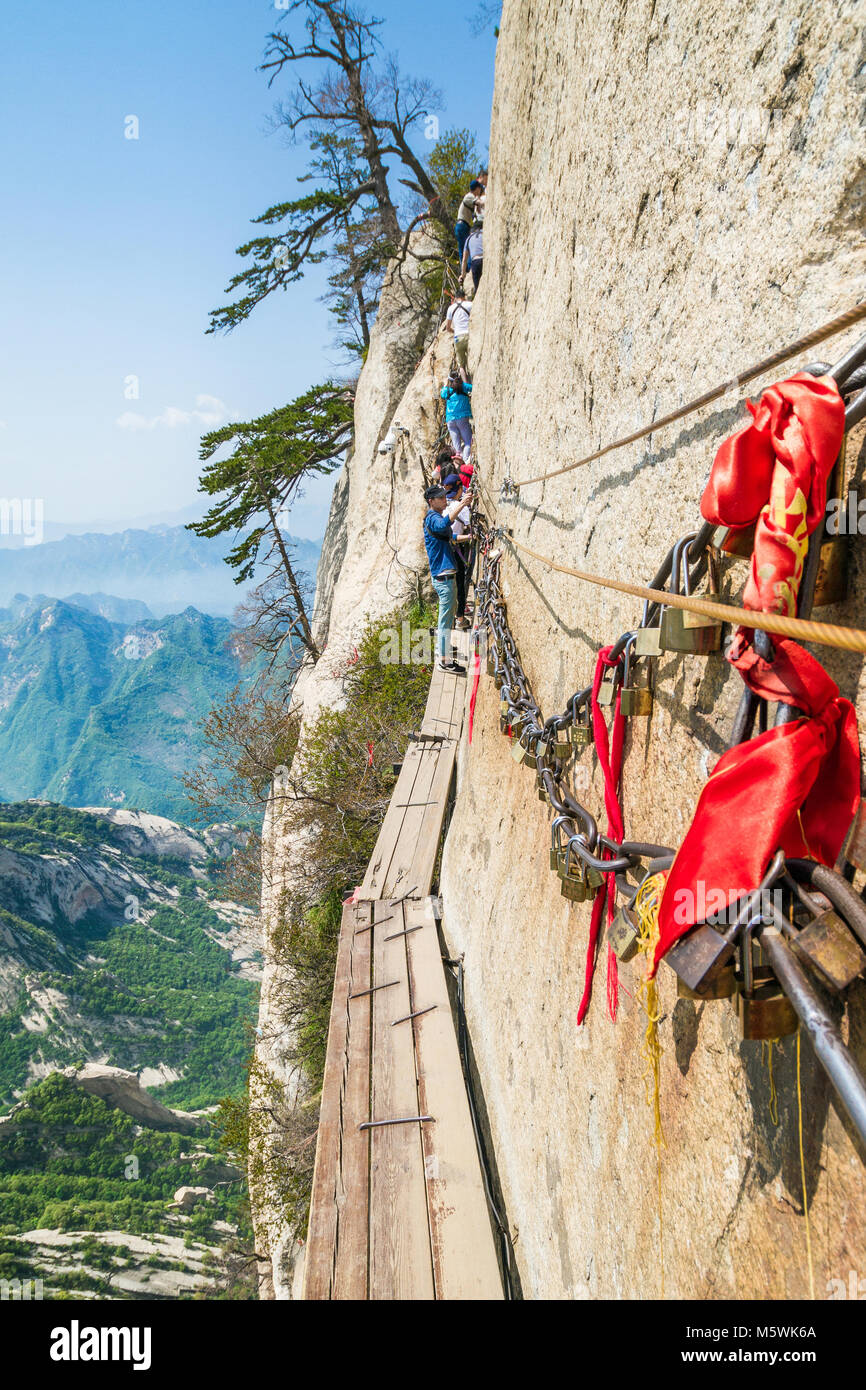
(774, 472)
(610, 762)
(795, 788)
(476, 677)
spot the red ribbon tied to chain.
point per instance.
(774, 472)
(795, 788)
(610, 762)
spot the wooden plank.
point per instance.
(463, 1246)
(400, 1261)
(392, 826)
(336, 1252)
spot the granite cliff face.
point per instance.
(675, 192)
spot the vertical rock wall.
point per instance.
(676, 190)
(372, 560)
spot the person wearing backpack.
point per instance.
(466, 214)
(457, 319)
(458, 413)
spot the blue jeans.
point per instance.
(446, 592)
(461, 231)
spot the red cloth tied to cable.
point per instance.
(774, 472)
(795, 788)
(610, 762)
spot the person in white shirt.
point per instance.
(457, 319)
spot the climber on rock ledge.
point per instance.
(443, 565)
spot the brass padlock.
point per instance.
(580, 734)
(648, 642)
(573, 875)
(623, 934)
(557, 853)
(607, 689)
(634, 700)
(520, 752)
(680, 631)
(830, 948)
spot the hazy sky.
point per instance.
(115, 249)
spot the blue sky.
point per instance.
(115, 249)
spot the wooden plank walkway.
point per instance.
(399, 1210)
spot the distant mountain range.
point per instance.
(168, 568)
(100, 706)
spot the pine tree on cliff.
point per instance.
(272, 459)
(370, 107)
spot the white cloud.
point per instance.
(209, 411)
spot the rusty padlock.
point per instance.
(679, 630)
(764, 1009)
(698, 957)
(828, 946)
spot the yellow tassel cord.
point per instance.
(803, 1175)
(647, 910)
(767, 1057)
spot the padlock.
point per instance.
(573, 874)
(557, 853)
(829, 947)
(623, 934)
(607, 689)
(634, 700)
(680, 631)
(520, 752)
(766, 1013)
(491, 661)
(647, 641)
(738, 541)
(581, 735)
(723, 985)
(697, 957)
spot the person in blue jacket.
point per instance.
(458, 413)
(443, 566)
